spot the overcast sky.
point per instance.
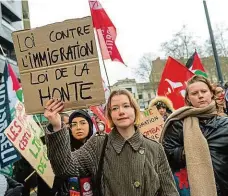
(141, 25)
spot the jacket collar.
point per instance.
(118, 141)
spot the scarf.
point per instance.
(198, 160)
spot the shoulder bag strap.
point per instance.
(100, 168)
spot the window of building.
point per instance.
(140, 96)
(129, 89)
(8, 15)
(149, 95)
(3, 49)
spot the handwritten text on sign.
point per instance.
(59, 60)
(23, 137)
(151, 124)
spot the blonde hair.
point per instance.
(132, 101)
(197, 78)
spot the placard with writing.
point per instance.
(151, 124)
(59, 60)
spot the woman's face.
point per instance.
(199, 94)
(162, 111)
(80, 128)
(122, 113)
(219, 94)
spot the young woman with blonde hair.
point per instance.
(123, 162)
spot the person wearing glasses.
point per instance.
(80, 127)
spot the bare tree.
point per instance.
(144, 69)
(221, 41)
(182, 45)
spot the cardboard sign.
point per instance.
(27, 119)
(151, 124)
(25, 139)
(59, 60)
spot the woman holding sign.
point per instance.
(121, 163)
(195, 139)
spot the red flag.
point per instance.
(97, 110)
(173, 82)
(106, 32)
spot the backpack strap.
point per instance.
(100, 168)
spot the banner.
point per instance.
(106, 32)
(97, 111)
(151, 124)
(8, 170)
(59, 60)
(24, 136)
(8, 154)
(173, 85)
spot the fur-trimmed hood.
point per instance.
(162, 99)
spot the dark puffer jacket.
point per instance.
(215, 131)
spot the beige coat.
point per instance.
(133, 167)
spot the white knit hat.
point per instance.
(3, 185)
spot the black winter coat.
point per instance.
(215, 130)
(14, 188)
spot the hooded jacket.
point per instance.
(161, 101)
(164, 100)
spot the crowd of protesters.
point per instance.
(191, 158)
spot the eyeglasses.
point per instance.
(81, 123)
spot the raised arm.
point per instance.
(63, 161)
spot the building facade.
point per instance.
(11, 19)
(142, 92)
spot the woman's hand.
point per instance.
(51, 112)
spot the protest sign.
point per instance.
(151, 124)
(27, 119)
(59, 60)
(26, 140)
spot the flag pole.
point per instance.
(106, 73)
(109, 86)
(219, 72)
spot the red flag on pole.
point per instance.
(173, 82)
(106, 32)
